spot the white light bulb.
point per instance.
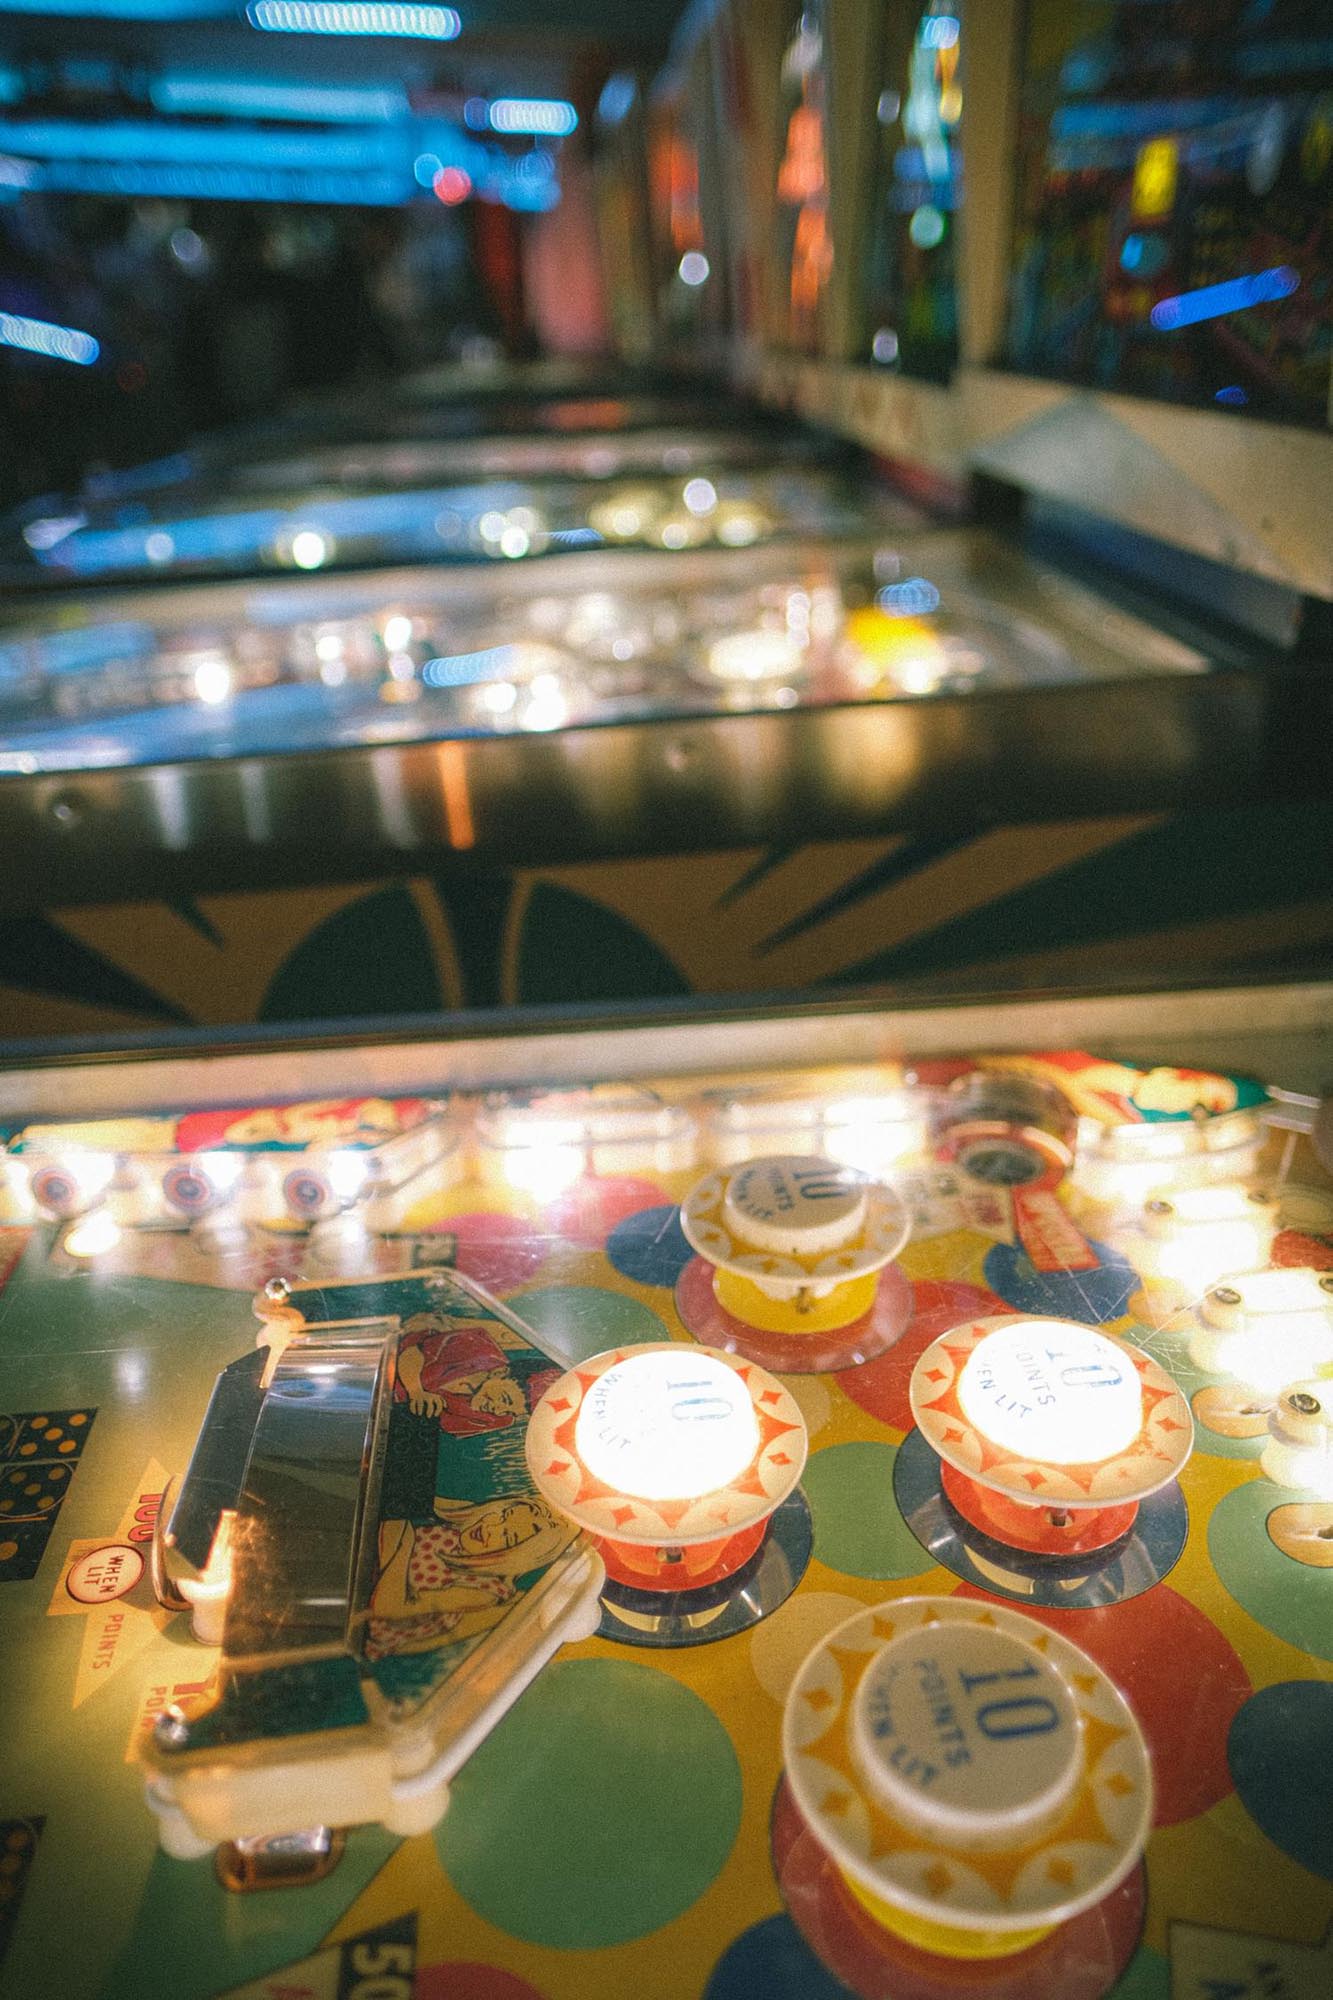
(1062, 1395)
(667, 1426)
(309, 549)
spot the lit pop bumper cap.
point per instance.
(975, 1778)
(666, 1445)
(1050, 1409)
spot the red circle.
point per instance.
(1080, 1960)
(468, 1981)
(451, 185)
(696, 1566)
(496, 1249)
(1293, 1249)
(881, 1386)
(1019, 1525)
(587, 1212)
(793, 1353)
(1182, 1679)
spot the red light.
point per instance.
(452, 185)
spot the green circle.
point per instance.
(1171, 1351)
(603, 1805)
(1291, 1599)
(1146, 1977)
(583, 1320)
(858, 1528)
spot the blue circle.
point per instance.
(772, 1958)
(1280, 1749)
(650, 1247)
(1095, 1296)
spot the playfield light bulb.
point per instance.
(93, 1235)
(754, 656)
(222, 1169)
(347, 1170)
(91, 1173)
(543, 1171)
(1057, 1393)
(667, 1426)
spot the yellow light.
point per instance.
(1059, 1394)
(1154, 191)
(667, 1426)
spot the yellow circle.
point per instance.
(47, 1500)
(10, 1864)
(742, 1298)
(6, 1506)
(944, 1939)
(8, 1549)
(1303, 1530)
(79, 1417)
(27, 1450)
(1231, 1410)
(16, 1479)
(53, 1433)
(66, 1444)
(31, 1488)
(37, 1422)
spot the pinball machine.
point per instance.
(812, 1500)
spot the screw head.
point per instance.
(1157, 1206)
(278, 1290)
(1226, 1295)
(1303, 1403)
(171, 1730)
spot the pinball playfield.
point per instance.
(531, 1527)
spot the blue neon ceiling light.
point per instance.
(45, 337)
(201, 182)
(551, 117)
(66, 140)
(328, 17)
(226, 96)
(127, 10)
(1212, 301)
